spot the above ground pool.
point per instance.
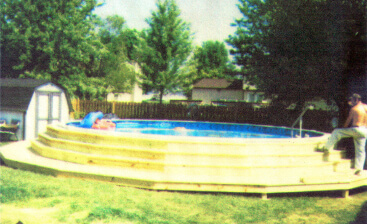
(203, 129)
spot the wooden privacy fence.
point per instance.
(316, 119)
(131, 110)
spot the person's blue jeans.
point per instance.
(359, 135)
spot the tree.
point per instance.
(117, 65)
(111, 28)
(164, 48)
(213, 59)
(50, 40)
(298, 50)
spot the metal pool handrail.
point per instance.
(300, 120)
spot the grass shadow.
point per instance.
(361, 217)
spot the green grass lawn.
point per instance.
(34, 198)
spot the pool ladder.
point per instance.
(300, 120)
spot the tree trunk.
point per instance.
(161, 92)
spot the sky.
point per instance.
(209, 19)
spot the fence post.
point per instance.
(113, 107)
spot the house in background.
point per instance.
(209, 90)
(153, 96)
(136, 95)
(32, 104)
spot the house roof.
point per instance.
(16, 94)
(218, 84)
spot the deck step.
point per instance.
(250, 147)
(254, 159)
(189, 159)
(100, 149)
(103, 137)
(205, 166)
(19, 155)
(336, 177)
(94, 159)
(235, 157)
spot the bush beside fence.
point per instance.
(315, 119)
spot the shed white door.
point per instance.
(48, 110)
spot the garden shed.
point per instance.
(28, 105)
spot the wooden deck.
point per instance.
(179, 165)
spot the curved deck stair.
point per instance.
(181, 166)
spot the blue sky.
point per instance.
(209, 19)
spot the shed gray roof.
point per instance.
(16, 94)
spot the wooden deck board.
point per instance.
(18, 155)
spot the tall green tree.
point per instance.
(299, 50)
(118, 65)
(50, 40)
(111, 28)
(213, 60)
(165, 46)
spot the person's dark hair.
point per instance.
(356, 97)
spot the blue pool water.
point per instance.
(203, 129)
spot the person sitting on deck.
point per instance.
(358, 131)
